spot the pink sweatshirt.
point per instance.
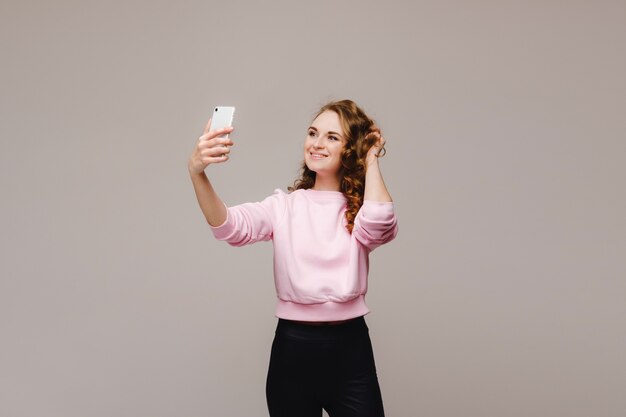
(320, 269)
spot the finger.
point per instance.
(214, 160)
(215, 134)
(210, 143)
(218, 132)
(375, 135)
(223, 141)
(215, 151)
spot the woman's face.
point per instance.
(324, 143)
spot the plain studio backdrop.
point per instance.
(503, 294)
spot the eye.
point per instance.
(311, 132)
(333, 138)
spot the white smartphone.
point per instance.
(222, 117)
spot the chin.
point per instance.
(310, 163)
(310, 167)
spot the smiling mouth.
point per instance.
(317, 155)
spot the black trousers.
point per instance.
(330, 367)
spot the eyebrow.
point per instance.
(330, 132)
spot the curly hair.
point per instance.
(358, 130)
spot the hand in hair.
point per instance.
(210, 149)
(378, 147)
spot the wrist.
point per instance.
(195, 173)
(371, 162)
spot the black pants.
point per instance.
(329, 367)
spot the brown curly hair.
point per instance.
(358, 129)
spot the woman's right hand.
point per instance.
(210, 149)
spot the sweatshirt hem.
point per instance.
(328, 311)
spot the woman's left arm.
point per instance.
(375, 223)
(375, 189)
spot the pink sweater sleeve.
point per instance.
(251, 222)
(375, 224)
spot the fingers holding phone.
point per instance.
(220, 124)
(214, 145)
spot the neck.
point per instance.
(326, 184)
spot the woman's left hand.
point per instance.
(378, 149)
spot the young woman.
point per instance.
(323, 230)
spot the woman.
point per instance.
(323, 230)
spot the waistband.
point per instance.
(307, 332)
(328, 311)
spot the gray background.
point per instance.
(503, 294)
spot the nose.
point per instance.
(318, 142)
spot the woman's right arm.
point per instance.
(210, 149)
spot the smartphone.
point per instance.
(222, 117)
